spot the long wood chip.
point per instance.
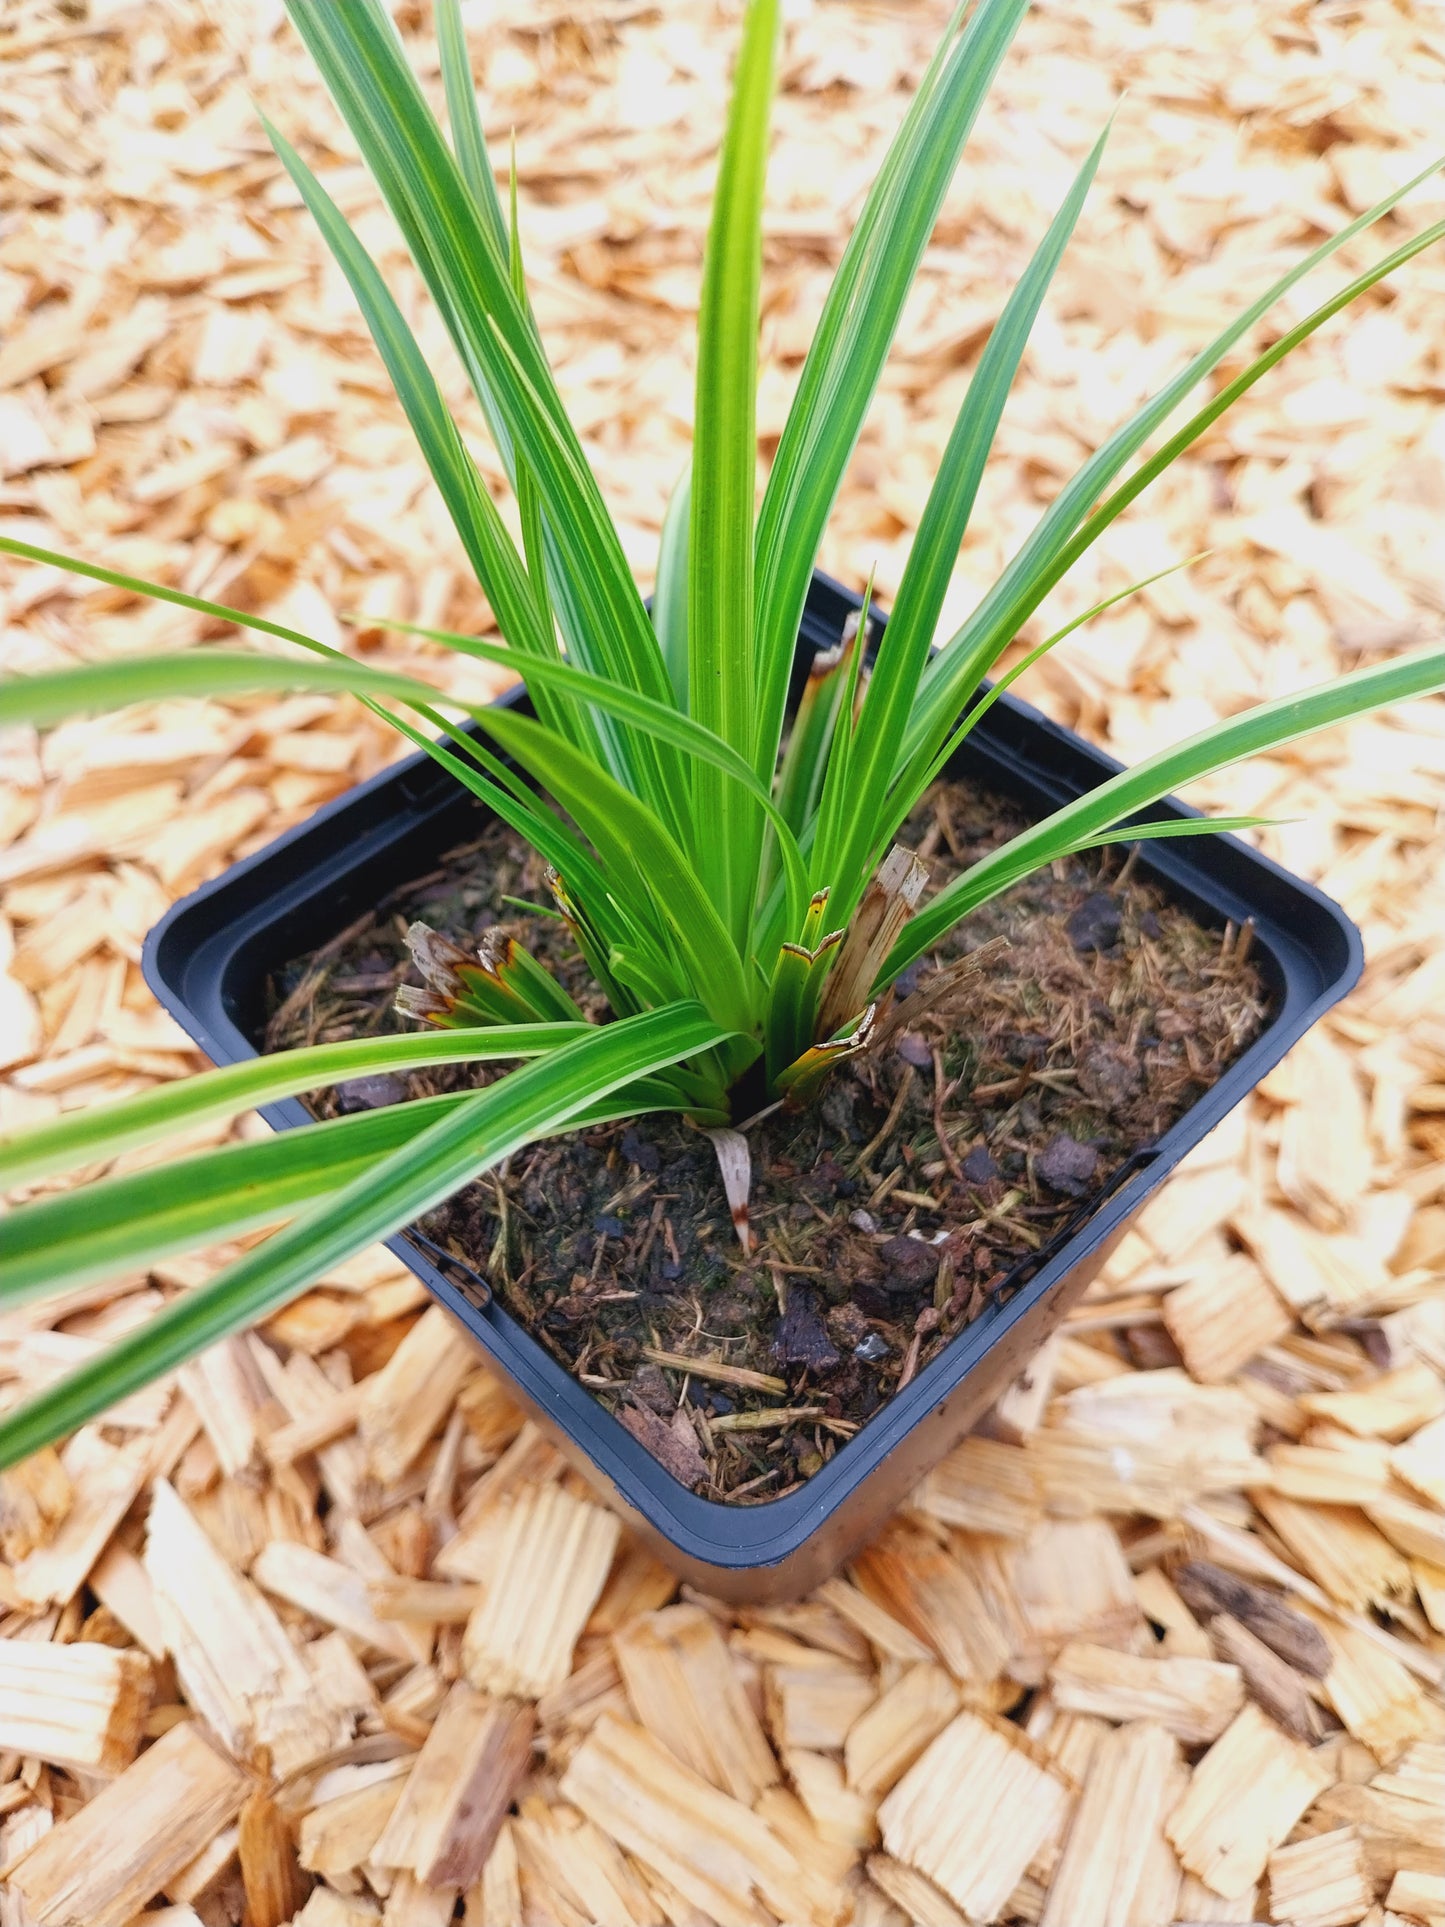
(101, 1866)
(973, 1811)
(1243, 1798)
(552, 1556)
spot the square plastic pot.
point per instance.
(210, 958)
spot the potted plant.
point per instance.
(754, 1226)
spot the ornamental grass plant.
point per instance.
(730, 872)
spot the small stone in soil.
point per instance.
(978, 1166)
(914, 1050)
(371, 1093)
(650, 1388)
(801, 1338)
(872, 1349)
(848, 1324)
(1066, 1165)
(863, 1221)
(1110, 1074)
(1095, 925)
(608, 1226)
(638, 1151)
(910, 1265)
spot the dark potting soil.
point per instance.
(885, 1217)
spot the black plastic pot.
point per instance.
(209, 960)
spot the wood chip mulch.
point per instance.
(323, 1631)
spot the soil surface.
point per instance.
(916, 1192)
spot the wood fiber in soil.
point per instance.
(884, 1217)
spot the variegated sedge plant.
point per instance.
(733, 885)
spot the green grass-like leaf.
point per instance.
(105, 1130)
(1084, 822)
(728, 837)
(409, 1181)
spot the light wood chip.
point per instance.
(1420, 1896)
(327, 1908)
(101, 1866)
(886, 1634)
(564, 1857)
(460, 1788)
(553, 1553)
(815, 1706)
(1197, 1906)
(1430, 1587)
(34, 1497)
(360, 1550)
(916, 1897)
(1397, 1832)
(841, 1813)
(593, 1686)
(408, 1399)
(1145, 1442)
(410, 1904)
(203, 1877)
(122, 1585)
(1020, 1411)
(973, 1810)
(722, 1858)
(78, 1706)
(1320, 1882)
(331, 1592)
(916, 1582)
(496, 1900)
(1420, 1462)
(637, 1584)
(530, 1460)
(1223, 1318)
(1337, 1545)
(1071, 1581)
(106, 1481)
(983, 1486)
(1133, 1781)
(1391, 1407)
(686, 1690)
(225, 1389)
(816, 1624)
(1375, 1697)
(829, 1861)
(1416, 1530)
(337, 1835)
(885, 1740)
(1324, 1153)
(1324, 1475)
(1419, 1775)
(236, 1664)
(1194, 1699)
(1243, 1798)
